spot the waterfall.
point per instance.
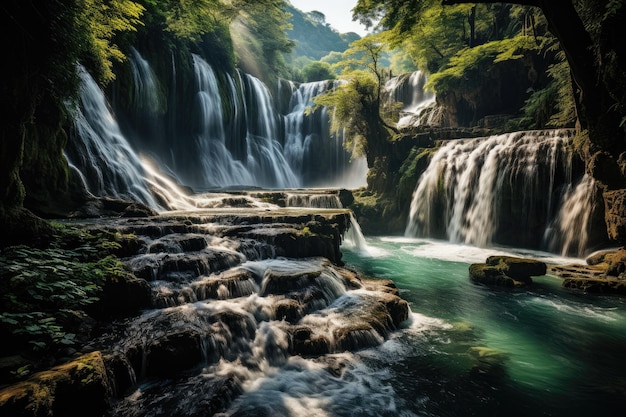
(502, 189)
(226, 131)
(105, 159)
(265, 153)
(220, 168)
(354, 237)
(318, 157)
(408, 89)
(566, 235)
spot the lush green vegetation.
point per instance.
(49, 297)
(459, 45)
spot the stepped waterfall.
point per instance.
(518, 189)
(408, 90)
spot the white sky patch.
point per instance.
(338, 13)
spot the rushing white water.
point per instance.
(265, 153)
(409, 91)
(310, 145)
(108, 164)
(573, 218)
(503, 189)
(354, 237)
(220, 168)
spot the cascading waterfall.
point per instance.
(108, 164)
(318, 156)
(353, 238)
(566, 235)
(265, 153)
(220, 168)
(409, 91)
(501, 189)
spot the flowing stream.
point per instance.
(475, 351)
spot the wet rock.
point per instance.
(198, 396)
(125, 295)
(615, 214)
(597, 285)
(308, 344)
(518, 268)
(233, 283)
(187, 242)
(111, 207)
(174, 352)
(77, 388)
(183, 267)
(506, 271)
(605, 273)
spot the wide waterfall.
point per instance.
(220, 131)
(408, 90)
(264, 163)
(520, 189)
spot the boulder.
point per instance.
(174, 352)
(506, 271)
(518, 268)
(77, 388)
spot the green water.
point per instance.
(477, 351)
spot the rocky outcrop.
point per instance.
(77, 388)
(506, 271)
(615, 214)
(604, 272)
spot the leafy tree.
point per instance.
(317, 17)
(588, 32)
(356, 103)
(45, 40)
(260, 34)
(318, 71)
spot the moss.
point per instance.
(80, 386)
(412, 168)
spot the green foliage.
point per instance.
(470, 60)
(318, 71)
(42, 291)
(259, 36)
(190, 19)
(101, 21)
(349, 103)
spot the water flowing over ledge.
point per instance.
(519, 189)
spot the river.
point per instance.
(470, 350)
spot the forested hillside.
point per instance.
(314, 37)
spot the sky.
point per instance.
(338, 13)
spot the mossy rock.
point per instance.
(597, 285)
(77, 388)
(518, 268)
(493, 275)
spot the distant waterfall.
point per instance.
(265, 153)
(108, 164)
(317, 156)
(408, 89)
(509, 189)
(220, 168)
